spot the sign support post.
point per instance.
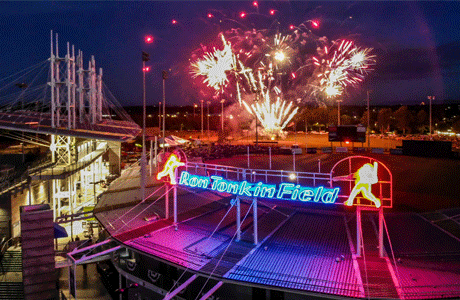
(156, 152)
(254, 216)
(381, 254)
(175, 199)
(151, 157)
(167, 201)
(238, 219)
(358, 231)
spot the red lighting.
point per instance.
(210, 16)
(272, 12)
(291, 27)
(293, 76)
(255, 3)
(146, 69)
(242, 14)
(347, 142)
(174, 21)
(315, 24)
(148, 39)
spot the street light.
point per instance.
(430, 98)
(207, 102)
(257, 124)
(159, 115)
(338, 112)
(202, 119)
(145, 57)
(164, 74)
(368, 121)
(222, 114)
(194, 107)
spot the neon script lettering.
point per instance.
(285, 191)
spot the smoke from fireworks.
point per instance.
(273, 116)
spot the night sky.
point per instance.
(417, 43)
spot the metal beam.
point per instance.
(180, 288)
(83, 259)
(358, 231)
(89, 247)
(211, 291)
(381, 249)
(238, 218)
(254, 216)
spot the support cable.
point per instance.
(121, 216)
(223, 254)
(393, 255)
(364, 259)
(215, 229)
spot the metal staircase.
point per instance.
(11, 286)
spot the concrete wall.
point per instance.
(21, 197)
(5, 216)
(114, 157)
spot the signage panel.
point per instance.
(283, 191)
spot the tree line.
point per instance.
(403, 119)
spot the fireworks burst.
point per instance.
(273, 115)
(215, 65)
(292, 68)
(347, 66)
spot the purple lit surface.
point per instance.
(302, 249)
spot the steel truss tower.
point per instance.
(76, 101)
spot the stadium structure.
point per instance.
(211, 230)
(223, 232)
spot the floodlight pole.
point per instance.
(202, 118)
(222, 115)
(143, 134)
(156, 151)
(368, 122)
(338, 112)
(257, 132)
(207, 106)
(430, 98)
(165, 76)
(159, 116)
(151, 158)
(270, 156)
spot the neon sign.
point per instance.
(285, 191)
(169, 168)
(366, 176)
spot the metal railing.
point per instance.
(10, 242)
(57, 170)
(254, 175)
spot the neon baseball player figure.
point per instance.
(366, 176)
(169, 168)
